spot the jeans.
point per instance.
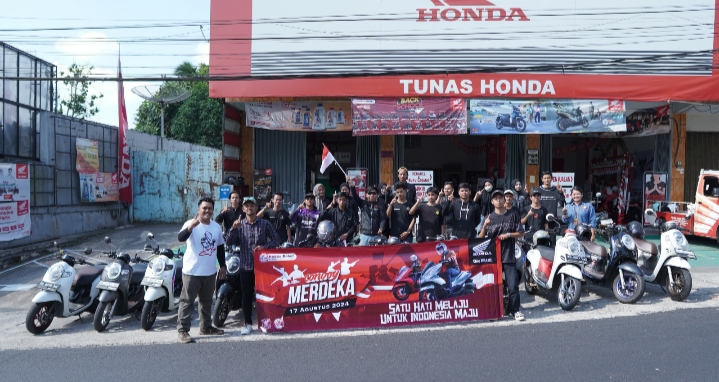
(247, 281)
(192, 288)
(510, 276)
(481, 223)
(537, 117)
(364, 239)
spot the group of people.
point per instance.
(503, 214)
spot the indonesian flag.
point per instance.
(327, 159)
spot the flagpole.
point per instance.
(343, 171)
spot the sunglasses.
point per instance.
(371, 193)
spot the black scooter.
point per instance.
(228, 291)
(518, 123)
(569, 119)
(120, 287)
(618, 267)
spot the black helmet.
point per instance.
(326, 231)
(287, 244)
(636, 230)
(668, 226)
(583, 231)
(124, 257)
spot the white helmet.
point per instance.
(441, 248)
(413, 258)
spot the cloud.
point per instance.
(87, 45)
(203, 51)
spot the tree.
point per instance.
(78, 103)
(197, 120)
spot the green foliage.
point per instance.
(78, 103)
(197, 120)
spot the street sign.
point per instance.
(225, 192)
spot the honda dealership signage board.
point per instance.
(14, 201)
(565, 180)
(422, 181)
(465, 48)
(300, 289)
(409, 116)
(496, 116)
(299, 116)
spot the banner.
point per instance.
(409, 116)
(124, 166)
(99, 187)
(566, 181)
(422, 180)
(359, 177)
(88, 160)
(607, 166)
(655, 188)
(262, 185)
(14, 201)
(374, 287)
(646, 122)
(492, 117)
(300, 116)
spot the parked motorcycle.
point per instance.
(618, 267)
(503, 120)
(549, 268)
(64, 292)
(121, 292)
(162, 282)
(665, 267)
(568, 119)
(228, 291)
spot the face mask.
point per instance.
(488, 188)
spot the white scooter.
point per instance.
(161, 283)
(560, 267)
(666, 265)
(65, 292)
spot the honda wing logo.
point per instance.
(481, 249)
(468, 10)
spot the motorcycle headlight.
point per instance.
(517, 252)
(157, 266)
(113, 270)
(679, 239)
(233, 265)
(628, 242)
(574, 246)
(54, 273)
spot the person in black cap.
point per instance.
(305, 217)
(506, 227)
(534, 216)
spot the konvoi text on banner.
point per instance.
(301, 289)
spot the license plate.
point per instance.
(151, 282)
(607, 221)
(108, 285)
(48, 286)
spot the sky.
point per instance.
(141, 57)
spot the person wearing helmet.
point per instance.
(416, 268)
(449, 260)
(305, 217)
(401, 222)
(507, 227)
(579, 212)
(345, 221)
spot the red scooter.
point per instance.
(407, 280)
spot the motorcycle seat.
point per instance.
(138, 273)
(86, 275)
(595, 249)
(646, 246)
(547, 253)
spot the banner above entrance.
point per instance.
(299, 116)
(409, 116)
(491, 117)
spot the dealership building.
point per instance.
(604, 94)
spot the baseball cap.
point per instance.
(249, 199)
(535, 192)
(508, 191)
(496, 192)
(309, 195)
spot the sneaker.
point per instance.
(246, 330)
(212, 331)
(185, 337)
(519, 316)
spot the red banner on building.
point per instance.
(373, 287)
(124, 169)
(409, 116)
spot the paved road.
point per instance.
(671, 346)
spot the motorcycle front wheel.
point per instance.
(498, 125)
(562, 124)
(401, 291)
(585, 123)
(633, 290)
(39, 317)
(149, 313)
(569, 292)
(531, 290)
(521, 125)
(220, 311)
(103, 314)
(682, 284)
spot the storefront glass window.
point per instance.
(27, 88)
(10, 89)
(10, 129)
(27, 132)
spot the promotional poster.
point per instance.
(491, 117)
(422, 181)
(301, 289)
(99, 187)
(14, 182)
(300, 116)
(87, 156)
(359, 177)
(262, 185)
(14, 201)
(409, 116)
(566, 181)
(655, 188)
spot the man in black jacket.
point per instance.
(552, 197)
(345, 220)
(373, 219)
(466, 214)
(230, 213)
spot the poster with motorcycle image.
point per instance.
(501, 116)
(409, 116)
(300, 289)
(99, 187)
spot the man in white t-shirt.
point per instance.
(205, 248)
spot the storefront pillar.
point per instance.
(679, 143)
(386, 164)
(532, 171)
(247, 146)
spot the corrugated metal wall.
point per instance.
(368, 156)
(515, 167)
(701, 154)
(285, 153)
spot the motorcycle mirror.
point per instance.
(150, 236)
(550, 217)
(55, 244)
(649, 212)
(599, 195)
(688, 217)
(88, 251)
(107, 240)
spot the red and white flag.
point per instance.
(124, 167)
(327, 159)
